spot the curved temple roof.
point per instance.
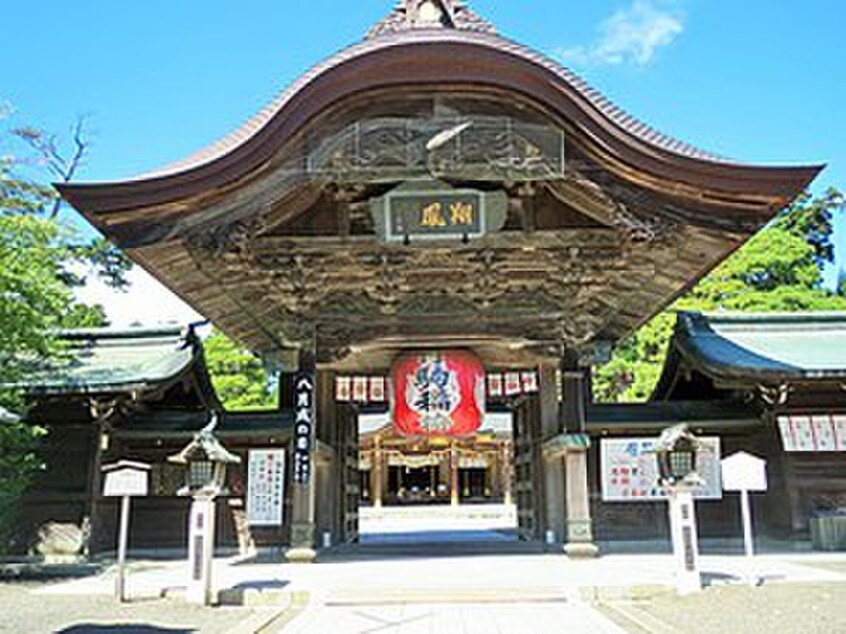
(462, 48)
(622, 179)
(758, 348)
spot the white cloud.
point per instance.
(146, 303)
(631, 35)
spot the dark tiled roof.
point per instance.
(106, 360)
(393, 32)
(758, 348)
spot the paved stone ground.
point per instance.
(464, 618)
(25, 609)
(397, 586)
(795, 608)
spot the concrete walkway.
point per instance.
(434, 593)
(461, 578)
(465, 618)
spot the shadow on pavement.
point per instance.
(265, 584)
(427, 547)
(124, 628)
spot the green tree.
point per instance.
(34, 302)
(40, 260)
(779, 270)
(239, 377)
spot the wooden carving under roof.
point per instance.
(271, 232)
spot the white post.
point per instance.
(123, 537)
(748, 542)
(201, 549)
(685, 540)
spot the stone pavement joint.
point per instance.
(631, 615)
(478, 596)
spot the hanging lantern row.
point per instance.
(372, 390)
(511, 384)
(361, 389)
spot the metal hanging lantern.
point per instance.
(676, 453)
(205, 460)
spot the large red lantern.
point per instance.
(438, 393)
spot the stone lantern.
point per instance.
(676, 452)
(205, 460)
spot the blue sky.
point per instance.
(754, 80)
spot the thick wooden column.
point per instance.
(377, 486)
(579, 525)
(507, 473)
(553, 465)
(454, 494)
(302, 542)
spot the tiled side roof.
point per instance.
(463, 18)
(107, 360)
(761, 347)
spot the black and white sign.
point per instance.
(303, 426)
(126, 479)
(266, 487)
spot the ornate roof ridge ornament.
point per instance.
(429, 14)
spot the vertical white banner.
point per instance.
(266, 487)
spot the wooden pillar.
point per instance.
(302, 542)
(494, 469)
(376, 487)
(507, 473)
(453, 477)
(573, 423)
(433, 481)
(97, 539)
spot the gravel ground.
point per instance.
(22, 611)
(818, 608)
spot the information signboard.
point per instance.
(266, 487)
(744, 472)
(630, 470)
(126, 479)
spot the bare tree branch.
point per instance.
(47, 148)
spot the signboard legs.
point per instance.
(748, 543)
(744, 472)
(124, 480)
(685, 540)
(120, 582)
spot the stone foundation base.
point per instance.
(301, 555)
(581, 550)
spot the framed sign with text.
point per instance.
(266, 487)
(630, 470)
(434, 215)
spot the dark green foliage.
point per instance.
(778, 270)
(39, 263)
(239, 377)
